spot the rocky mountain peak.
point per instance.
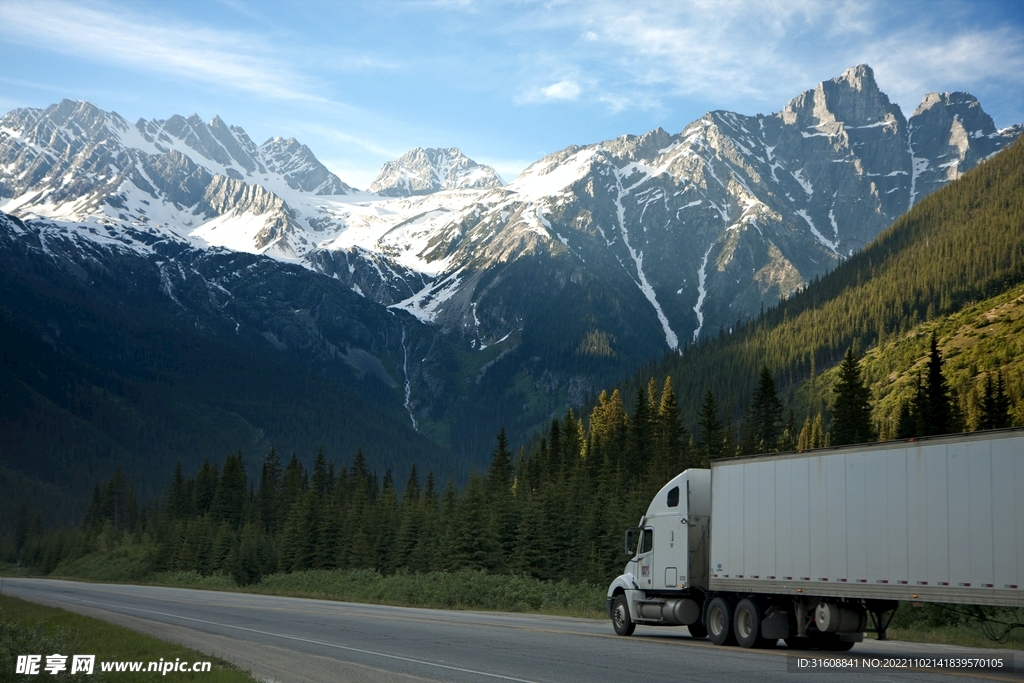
(424, 171)
(634, 147)
(945, 108)
(852, 99)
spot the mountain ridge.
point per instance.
(596, 259)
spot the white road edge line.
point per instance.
(307, 640)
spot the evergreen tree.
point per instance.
(178, 503)
(937, 411)
(608, 422)
(639, 443)
(410, 526)
(851, 411)
(269, 491)
(206, 487)
(293, 484)
(499, 475)
(552, 466)
(711, 434)
(423, 556)
(995, 404)
(672, 441)
(322, 480)
(787, 442)
(231, 494)
(765, 415)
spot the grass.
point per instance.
(27, 628)
(464, 589)
(950, 625)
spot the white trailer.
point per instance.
(805, 546)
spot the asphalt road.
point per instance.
(293, 639)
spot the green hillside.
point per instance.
(980, 341)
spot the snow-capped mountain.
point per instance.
(594, 260)
(703, 227)
(423, 171)
(75, 162)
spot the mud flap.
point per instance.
(775, 624)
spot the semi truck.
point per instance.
(816, 548)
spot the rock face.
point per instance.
(422, 171)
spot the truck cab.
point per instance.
(664, 582)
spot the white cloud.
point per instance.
(910, 64)
(229, 60)
(565, 90)
(562, 90)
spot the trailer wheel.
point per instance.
(719, 622)
(747, 624)
(621, 621)
(697, 629)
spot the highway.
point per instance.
(301, 640)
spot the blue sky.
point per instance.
(363, 82)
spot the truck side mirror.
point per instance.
(629, 543)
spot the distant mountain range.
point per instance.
(504, 303)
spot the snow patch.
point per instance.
(701, 292)
(798, 176)
(821, 238)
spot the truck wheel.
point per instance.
(621, 622)
(698, 629)
(747, 624)
(719, 622)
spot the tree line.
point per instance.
(554, 510)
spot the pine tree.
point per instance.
(787, 441)
(710, 432)
(819, 437)
(813, 434)
(322, 480)
(293, 484)
(672, 441)
(851, 411)
(937, 411)
(231, 494)
(995, 404)
(499, 475)
(178, 503)
(639, 443)
(206, 487)
(765, 414)
(269, 491)
(803, 442)
(572, 442)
